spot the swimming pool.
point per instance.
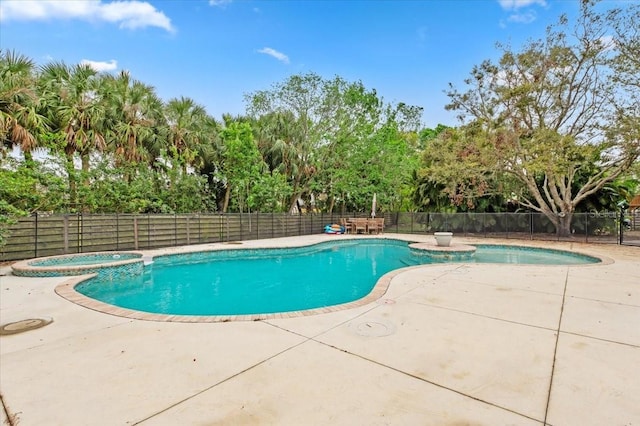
(263, 281)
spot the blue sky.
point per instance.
(215, 51)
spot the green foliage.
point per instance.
(186, 193)
(242, 163)
(25, 188)
(30, 187)
(332, 141)
(609, 196)
(20, 120)
(114, 146)
(269, 193)
(8, 215)
(561, 111)
(146, 191)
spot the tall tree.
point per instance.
(137, 130)
(302, 98)
(189, 131)
(20, 120)
(76, 111)
(310, 122)
(428, 194)
(242, 164)
(540, 116)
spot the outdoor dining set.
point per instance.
(355, 225)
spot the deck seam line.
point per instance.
(600, 339)
(555, 349)
(422, 379)
(226, 379)
(485, 316)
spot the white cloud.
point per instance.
(272, 52)
(219, 3)
(523, 18)
(518, 4)
(130, 14)
(101, 66)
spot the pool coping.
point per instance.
(67, 289)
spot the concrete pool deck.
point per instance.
(447, 344)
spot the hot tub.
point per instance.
(102, 263)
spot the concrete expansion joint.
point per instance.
(599, 339)
(555, 347)
(433, 383)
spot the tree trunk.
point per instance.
(227, 195)
(85, 168)
(71, 174)
(563, 224)
(86, 182)
(293, 200)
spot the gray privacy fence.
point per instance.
(48, 235)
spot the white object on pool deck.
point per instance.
(443, 239)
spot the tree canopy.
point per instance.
(539, 118)
(308, 143)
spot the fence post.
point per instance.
(506, 224)
(35, 247)
(65, 233)
(117, 232)
(531, 225)
(78, 234)
(586, 227)
(484, 224)
(135, 232)
(188, 231)
(81, 228)
(621, 224)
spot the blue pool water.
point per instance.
(238, 282)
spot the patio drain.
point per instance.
(373, 328)
(24, 325)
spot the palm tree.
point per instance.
(284, 147)
(135, 119)
(20, 121)
(190, 130)
(77, 112)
